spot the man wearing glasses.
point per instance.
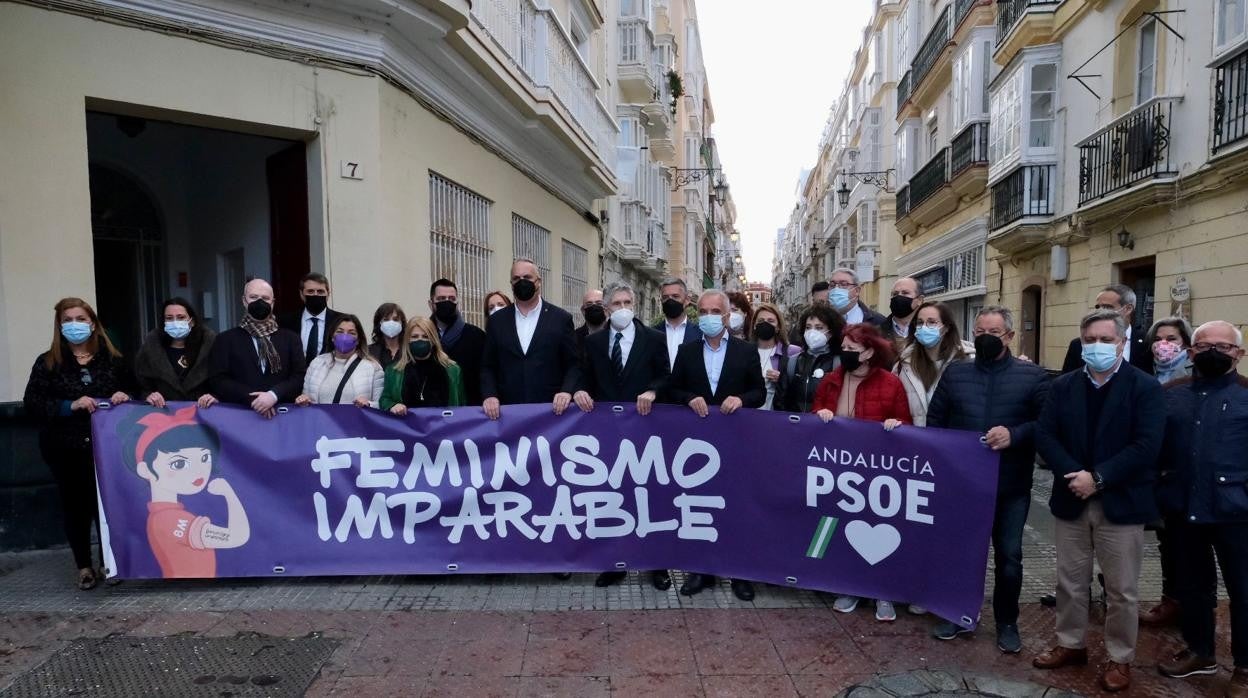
(1119, 299)
(843, 296)
(1204, 485)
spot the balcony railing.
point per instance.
(1133, 148)
(1009, 12)
(970, 147)
(903, 91)
(935, 42)
(903, 202)
(961, 10)
(1230, 101)
(930, 178)
(635, 42)
(1027, 191)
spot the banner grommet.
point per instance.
(279, 569)
(452, 567)
(283, 410)
(790, 580)
(621, 565)
(618, 409)
(448, 413)
(795, 419)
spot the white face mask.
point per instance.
(815, 339)
(621, 318)
(391, 328)
(736, 321)
(496, 308)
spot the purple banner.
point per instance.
(786, 499)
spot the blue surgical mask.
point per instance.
(76, 332)
(711, 325)
(178, 329)
(1099, 356)
(839, 298)
(927, 336)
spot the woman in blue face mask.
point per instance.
(347, 374)
(68, 382)
(933, 344)
(173, 362)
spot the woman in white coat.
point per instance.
(346, 375)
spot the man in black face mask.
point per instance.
(463, 342)
(1201, 489)
(999, 397)
(530, 349)
(257, 364)
(676, 328)
(902, 306)
(595, 314)
(316, 318)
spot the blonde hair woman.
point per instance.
(430, 377)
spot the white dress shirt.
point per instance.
(714, 361)
(854, 315)
(626, 341)
(307, 328)
(675, 338)
(526, 325)
(1126, 348)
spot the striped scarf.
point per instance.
(262, 330)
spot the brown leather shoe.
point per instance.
(1186, 663)
(1115, 677)
(1238, 687)
(1058, 657)
(1164, 613)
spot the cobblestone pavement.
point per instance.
(520, 635)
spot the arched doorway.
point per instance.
(1030, 340)
(129, 244)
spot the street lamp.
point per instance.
(879, 179)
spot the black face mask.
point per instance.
(420, 348)
(673, 308)
(594, 314)
(446, 312)
(1212, 363)
(259, 309)
(901, 306)
(315, 304)
(524, 289)
(765, 331)
(987, 348)
(851, 360)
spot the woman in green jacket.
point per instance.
(424, 376)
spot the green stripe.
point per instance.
(823, 535)
(828, 538)
(814, 541)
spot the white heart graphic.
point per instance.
(873, 543)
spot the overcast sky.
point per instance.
(773, 70)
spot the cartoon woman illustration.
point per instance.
(175, 454)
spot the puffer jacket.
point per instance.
(1204, 472)
(879, 396)
(801, 376)
(1007, 392)
(919, 395)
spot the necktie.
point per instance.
(313, 346)
(617, 355)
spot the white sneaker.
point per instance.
(916, 610)
(884, 611)
(845, 604)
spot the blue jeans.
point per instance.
(1007, 555)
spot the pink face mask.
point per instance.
(1166, 351)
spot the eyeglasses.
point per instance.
(994, 332)
(843, 284)
(1222, 347)
(1103, 306)
(931, 323)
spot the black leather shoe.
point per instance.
(743, 589)
(695, 583)
(661, 580)
(562, 575)
(606, 579)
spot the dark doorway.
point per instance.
(1030, 340)
(287, 174)
(1141, 276)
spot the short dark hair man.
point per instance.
(676, 327)
(316, 318)
(902, 306)
(464, 343)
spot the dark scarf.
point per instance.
(451, 335)
(262, 330)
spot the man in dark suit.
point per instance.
(676, 328)
(1121, 300)
(844, 297)
(595, 313)
(1100, 432)
(625, 363)
(530, 349)
(314, 323)
(717, 371)
(257, 363)
(463, 342)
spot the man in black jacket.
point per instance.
(717, 371)
(258, 363)
(314, 323)
(595, 312)
(1120, 299)
(464, 343)
(999, 397)
(845, 299)
(1100, 433)
(625, 363)
(902, 306)
(530, 350)
(1204, 485)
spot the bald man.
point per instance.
(594, 310)
(257, 364)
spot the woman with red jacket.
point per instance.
(864, 387)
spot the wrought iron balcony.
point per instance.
(903, 91)
(930, 178)
(1230, 101)
(903, 202)
(1009, 12)
(932, 46)
(1027, 191)
(961, 10)
(1133, 148)
(970, 147)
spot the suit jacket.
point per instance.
(581, 333)
(692, 333)
(1125, 443)
(294, 323)
(1141, 354)
(236, 367)
(550, 366)
(467, 353)
(645, 369)
(740, 375)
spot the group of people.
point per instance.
(1126, 451)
